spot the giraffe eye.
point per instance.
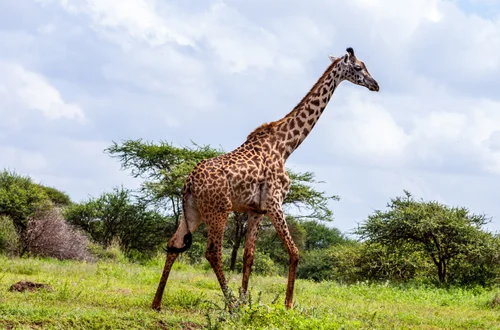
(358, 67)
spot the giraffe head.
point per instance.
(354, 70)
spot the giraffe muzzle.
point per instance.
(372, 85)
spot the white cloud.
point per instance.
(241, 45)
(155, 72)
(21, 88)
(27, 161)
(459, 132)
(137, 18)
(366, 129)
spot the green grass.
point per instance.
(113, 295)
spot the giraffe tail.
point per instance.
(188, 238)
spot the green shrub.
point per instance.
(444, 234)
(382, 263)
(321, 236)
(351, 263)
(111, 253)
(9, 240)
(57, 197)
(481, 266)
(342, 263)
(316, 265)
(20, 198)
(346, 261)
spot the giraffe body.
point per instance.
(253, 179)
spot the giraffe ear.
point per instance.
(333, 58)
(346, 58)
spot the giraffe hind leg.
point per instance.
(169, 261)
(189, 222)
(215, 229)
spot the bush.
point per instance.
(56, 196)
(351, 263)
(346, 262)
(20, 198)
(9, 240)
(320, 236)
(111, 253)
(316, 265)
(381, 263)
(481, 266)
(49, 235)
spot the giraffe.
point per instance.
(252, 179)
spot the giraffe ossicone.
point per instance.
(253, 179)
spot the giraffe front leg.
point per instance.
(254, 220)
(277, 218)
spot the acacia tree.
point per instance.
(444, 233)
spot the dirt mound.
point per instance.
(22, 286)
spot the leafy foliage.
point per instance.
(355, 262)
(303, 196)
(320, 236)
(56, 196)
(9, 240)
(443, 233)
(480, 265)
(263, 263)
(20, 198)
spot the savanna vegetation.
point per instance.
(413, 264)
(116, 294)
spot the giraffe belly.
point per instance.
(249, 197)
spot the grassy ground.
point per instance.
(118, 296)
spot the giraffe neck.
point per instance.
(296, 126)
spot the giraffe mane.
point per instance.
(262, 129)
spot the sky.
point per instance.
(76, 75)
